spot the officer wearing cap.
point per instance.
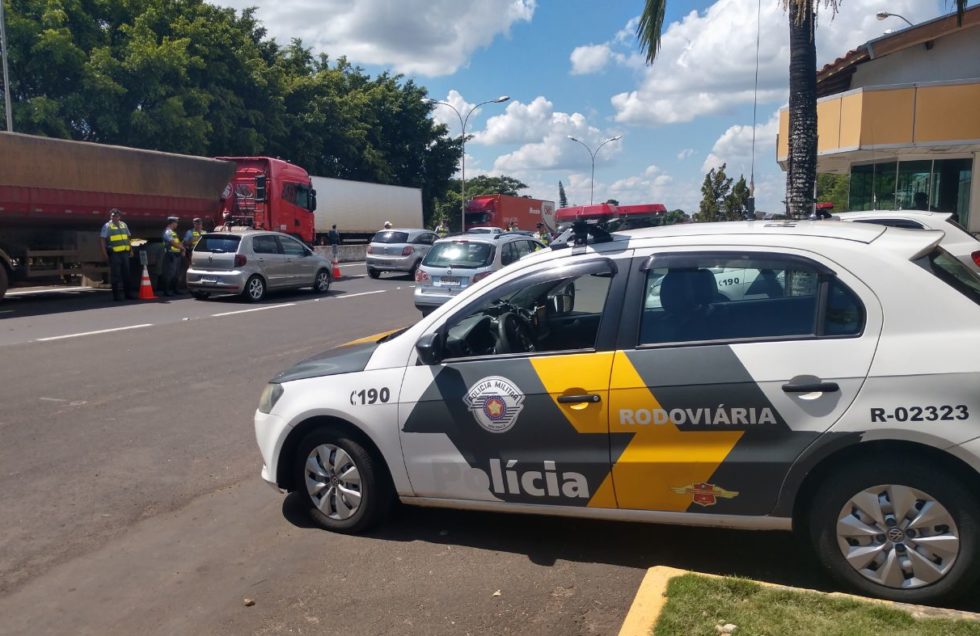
(193, 235)
(117, 250)
(174, 250)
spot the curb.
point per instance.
(651, 597)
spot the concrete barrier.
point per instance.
(346, 253)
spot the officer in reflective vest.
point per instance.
(116, 249)
(441, 230)
(192, 236)
(543, 234)
(171, 259)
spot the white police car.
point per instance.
(840, 398)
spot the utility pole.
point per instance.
(6, 75)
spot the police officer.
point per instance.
(333, 236)
(193, 235)
(441, 230)
(172, 257)
(116, 249)
(543, 234)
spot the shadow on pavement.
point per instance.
(775, 557)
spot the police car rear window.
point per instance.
(218, 243)
(390, 237)
(951, 271)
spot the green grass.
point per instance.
(696, 604)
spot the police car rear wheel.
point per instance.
(346, 489)
(901, 530)
(254, 289)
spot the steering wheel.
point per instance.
(513, 334)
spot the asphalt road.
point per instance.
(131, 501)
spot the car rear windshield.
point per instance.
(460, 254)
(951, 271)
(390, 237)
(218, 243)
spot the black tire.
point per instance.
(254, 289)
(4, 280)
(201, 295)
(373, 273)
(944, 489)
(321, 282)
(376, 491)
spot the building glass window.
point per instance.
(951, 186)
(873, 186)
(912, 192)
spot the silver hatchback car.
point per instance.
(398, 250)
(253, 262)
(455, 263)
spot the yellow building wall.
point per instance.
(887, 117)
(828, 125)
(782, 145)
(850, 120)
(947, 113)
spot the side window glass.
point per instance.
(265, 245)
(508, 254)
(708, 297)
(291, 247)
(845, 313)
(540, 315)
(523, 248)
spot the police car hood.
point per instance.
(348, 359)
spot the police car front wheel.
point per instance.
(903, 531)
(346, 489)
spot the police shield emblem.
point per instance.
(495, 403)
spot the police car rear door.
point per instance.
(720, 395)
(531, 427)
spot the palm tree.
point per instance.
(801, 175)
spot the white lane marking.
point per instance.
(380, 291)
(92, 333)
(246, 311)
(53, 290)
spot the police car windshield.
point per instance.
(951, 271)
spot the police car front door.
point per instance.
(527, 427)
(721, 393)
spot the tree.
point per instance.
(736, 203)
(834, 188)
(675, 216)
(612, 201)
(562, 198)
(484, 184)
(802, 165)
(715, 189)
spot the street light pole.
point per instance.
(592, 154)
(6, 75)
(881, 15)
(462, 164)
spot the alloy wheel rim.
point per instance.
(322, 281)
(898, 537)
(333, 482)
(255, 289)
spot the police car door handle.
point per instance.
(579, 399)
(813, 387)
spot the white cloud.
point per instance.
(520, 123)
(706, 63)
(427, 37)
(685, 153)
(734, 147)
(590, 59)
(452, 119)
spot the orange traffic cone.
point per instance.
(146, 289)
(336, 270)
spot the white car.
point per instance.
(842, 401)
(958, 241)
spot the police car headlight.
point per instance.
(270, 395)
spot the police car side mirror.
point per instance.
(562, 303)
(429, 348)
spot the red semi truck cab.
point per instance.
(270, 194)
(503, 211)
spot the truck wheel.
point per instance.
(373, 273)
(254, 289)
(322, 282)
(902, 530)
(345, 489)
(4, 280)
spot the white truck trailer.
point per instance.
(359, 209)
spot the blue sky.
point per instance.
(573, 67)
